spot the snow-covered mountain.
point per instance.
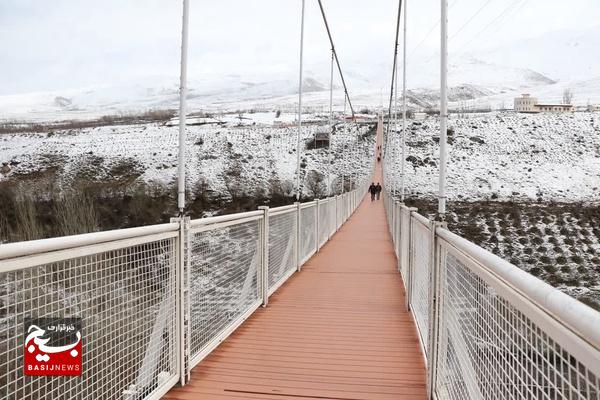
(564, 55)
(543, 66)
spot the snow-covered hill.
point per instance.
(251, 155)
(507, 156)
(563, 55)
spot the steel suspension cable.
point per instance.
(403, 143)
(393, 74)
(337, 61)
(395, 140)
(342, 156)
(330, 136)
(299, 133)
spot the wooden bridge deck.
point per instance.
(339, 329)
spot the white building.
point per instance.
(554, 107)
(528, 104)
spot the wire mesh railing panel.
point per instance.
(324, 222)
(333, 216)
(421, 278)
(125, 298)
(282, 246)
(225, 264)
(388, 206)
(490, 349)
(340, 212)
(386, 199)
(397, 231)
(308, 239)
(404, 243)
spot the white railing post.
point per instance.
(398, 229)
(348, 205)
(335, 200)
(395, 227)
(332, 217)
(264, 274)
(298, 234)
(435, 300)
(180, 300)
(187, 326)
(317, 238)
(341, 221)
(182, 294)
(341, 209)
(394, 206)
(409, 257)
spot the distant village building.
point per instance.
(321, 138)
(528, 104)
(554, 107)
(593, 108)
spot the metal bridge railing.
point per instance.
(154, 301)
(488, 329)
(124, 285)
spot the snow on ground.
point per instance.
(253, 154)
(552, 157)
(542, 165)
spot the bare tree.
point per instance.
(26, 219)
(315, 184)
(74, 213)
(567, 96)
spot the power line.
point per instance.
(337, 61)
(411, 53)
(470, 19)
(505, 12)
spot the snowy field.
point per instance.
(525, 187)
(507, 156)
(254, 153)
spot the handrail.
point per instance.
(282, 208)
(308, 204)
(186, 285)
(580, 318)
(486, 327)
(421, 219)
(28, 248)
(223, 218)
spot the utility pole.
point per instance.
(443, 110)
(300, 105)
(182, 110)
(403, 107)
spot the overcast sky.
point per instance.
(61, 44)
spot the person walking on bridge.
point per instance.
(378, 190)
(373, 190)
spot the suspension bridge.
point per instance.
(337, 298)
(340, 329)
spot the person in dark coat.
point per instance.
(373, 190)
(378, 190)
